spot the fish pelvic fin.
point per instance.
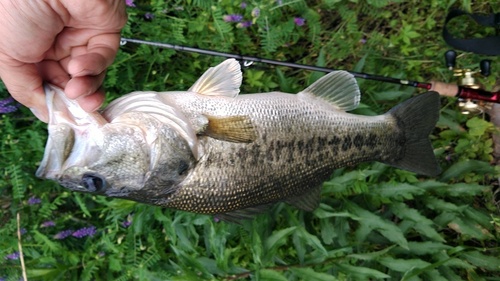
(232, 129)
(337, 88)
(244, 214)
(417, 117)
(222, 80)
(308, 201)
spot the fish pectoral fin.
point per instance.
(232, 129)
(308, 201)
(244, 214)
(221, 80)
(338, 88)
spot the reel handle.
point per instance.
(452, 90)
(450, 59)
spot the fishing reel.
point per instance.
(467, 80)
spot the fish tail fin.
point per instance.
(416, 118)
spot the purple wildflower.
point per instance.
(299, 21)
(130, 3)
(126, 223)
(244, 24)
(255, 12)
(243, 5)
(48, 224)
(232, 18)
(6, 105)
(13, 256)
(149, 16)
(34, 201)
(23, 231)
(63, 234)
(86, 231)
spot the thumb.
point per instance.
(25, 85)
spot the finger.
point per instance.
(93, 101)
(53, 72)
(25, 85)
(96, 56)
(81, 87)
(87, 64)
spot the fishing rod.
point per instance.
(468, 91)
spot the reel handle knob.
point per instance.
(485, 66)
(450, 58)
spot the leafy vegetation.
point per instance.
(374, 222)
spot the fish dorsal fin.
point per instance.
(231, 128)
(221, 80)
(338, 88)
(308, 201)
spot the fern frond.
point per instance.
(16, 176)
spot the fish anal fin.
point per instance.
(337, 88)
(232, 128)
(221, 80)
(244, 214)
(308, 201)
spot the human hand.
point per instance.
(67, 43)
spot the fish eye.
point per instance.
(93, 182)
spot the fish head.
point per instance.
(119, 153)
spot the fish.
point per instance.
(211, 150)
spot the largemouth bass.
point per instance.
(209, 150)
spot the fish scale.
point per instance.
(210, 150)
(289, 157)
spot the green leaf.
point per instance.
(362, 273)
(270, 275)
(312, 241)
(427, 248)
(321, 62)
(324, 211)
(435, 275)
(478, 217)
(387, 228)
(402, 265)
(489, 262)
(278, 238)
(257, 248)
(469, 228)
(114, 263)
(441, 205)
(34, 273)
(393, 95)
(371, 255)
(467, 166)
(311, 275)
(398, 191)
(45, 241)
(477, 126)
(421, 224)
(82, 205)
(455, 190)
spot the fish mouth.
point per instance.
(89, 182)
(67, 123)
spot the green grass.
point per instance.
(375, 222)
